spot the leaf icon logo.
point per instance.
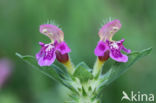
(125, 96)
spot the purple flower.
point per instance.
(107, 47)
(48, 53)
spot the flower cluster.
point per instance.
(58, 49)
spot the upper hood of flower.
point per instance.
(108, 30)
(52, 31)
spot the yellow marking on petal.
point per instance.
(61, 39)
(110, 39)
(52, 41)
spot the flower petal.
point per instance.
(41, 44)
(38, 55)
(108, 30)
(46, 56)
(63, 48)
(52, 31)
(120, 44)
(126, 50)
(118, 56)
(46, 62)
(101, 48)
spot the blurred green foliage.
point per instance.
(80, 20)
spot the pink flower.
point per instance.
(56, 48)
(5, 70)
(106, 44)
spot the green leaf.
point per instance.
(83, 72)
(52, 71)
(119, 68)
